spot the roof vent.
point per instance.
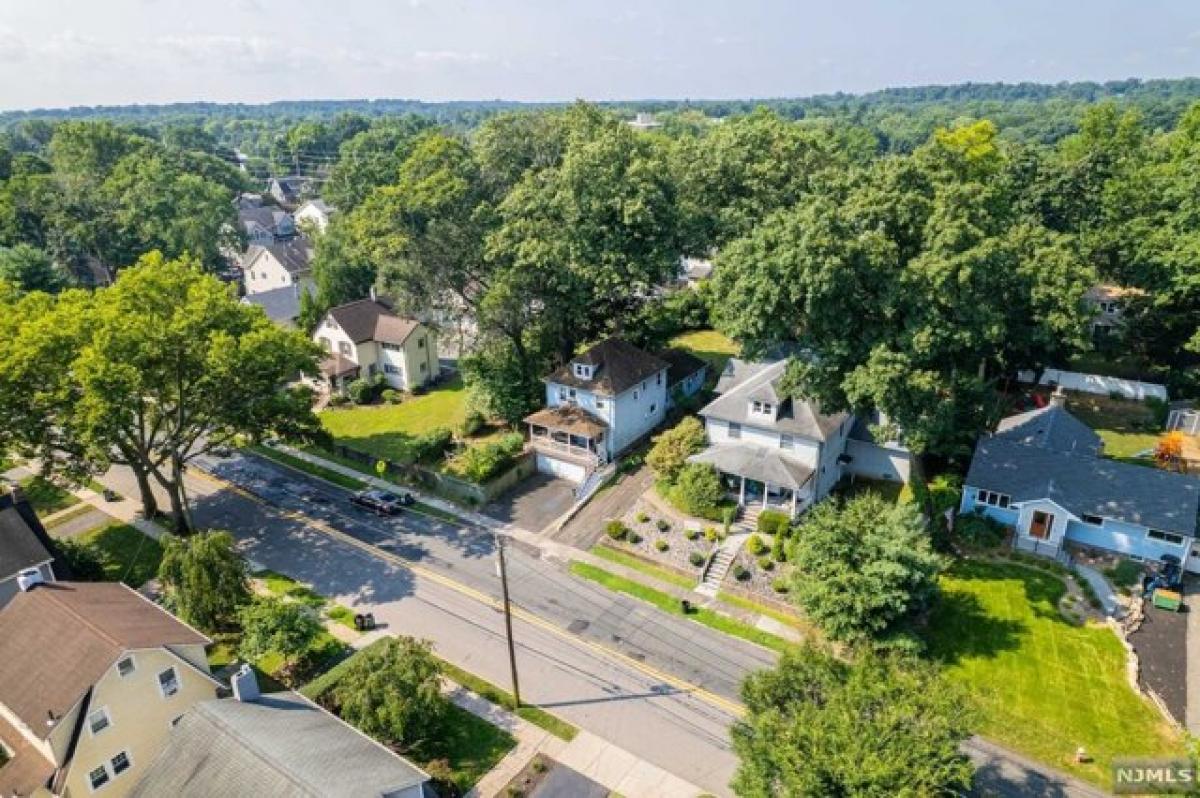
(245, 684)
(29, 579)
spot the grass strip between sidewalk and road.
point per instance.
(638, 564)
(668, 603)
(300, 464)
(764, 609)
(70, 514)
(490, 692)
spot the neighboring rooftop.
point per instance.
(282, 305)
(617, 366)
(268, 217)
(571, 419)
(373, 320)
(58, 639)
(295, 254)
(696, 269)
(744, 383)
(1108, 291)
(681, 364)
(762, 463)
(27, 768)
(1051, 427)
(23, 541)
(277, 744)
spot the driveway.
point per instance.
(587, 526)
(1161, 646)
(534, 504)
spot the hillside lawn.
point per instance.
(710, 346)
(1043, 686)
(126, 553)
(383, 430)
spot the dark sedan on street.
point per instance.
(381, 501)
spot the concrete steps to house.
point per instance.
(720, 564)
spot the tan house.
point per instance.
(282, 264)
(366, 337)
(92, 677)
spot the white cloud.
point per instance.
(449, 57)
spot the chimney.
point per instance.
(245, 684)
(29, 579)
(1058, 398)
(373, 298)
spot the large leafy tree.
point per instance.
(272, 626)
(30, 269)
(150, 373)
(863, 568)
(876, 726)
(392, 691)
(204, 579)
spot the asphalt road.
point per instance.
(630, 699)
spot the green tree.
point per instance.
(272, 626)
(697, 490)
(672, 448)
(150, 373)
(877, 726)
(82, 560)
(392, 691)
(863, 568)
(30, 269)
(204, 579)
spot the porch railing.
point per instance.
(551, 446)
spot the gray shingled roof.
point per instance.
(796, 416)
(1051, 427)
(21, 546)
(1083, 484)
(681, 364)
(756, 462)
(279, 744)
(282, 305)
(618, 365)
(295, 254)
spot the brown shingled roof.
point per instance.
(372, 320)
(618, 365)
(27, 769)
(58, 639)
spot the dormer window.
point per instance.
(582, 370)
(762, 408)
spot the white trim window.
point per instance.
(126, 665)
(786, 441)
(1091, 520)
(735, 429)
(98, 777)
(1170, 538)
(120, 763)
(98, 721)
(168, 682)
(993, 499)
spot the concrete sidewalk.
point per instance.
(1104, 590)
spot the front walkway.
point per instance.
(1103, 589)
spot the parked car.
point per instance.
(381, 501)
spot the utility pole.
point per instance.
(512, 651)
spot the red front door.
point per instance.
(1041, 525)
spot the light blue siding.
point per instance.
(1004, 516)
(629, 416)
(1122, 537)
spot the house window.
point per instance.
(1094, 520)
(582, 371)
(98, 721)
(653, 408)
(786, 442)
(326, 343)
(392, 347)
(735, 429)
(762, 408)
(390, 369)
(566, 394)
(120, 763)
(599, 404)
(635, 394)
(658, 379)
(98, 777)
(126, 666)
(424, 368)
(1165, 537)
(993, 499)
(344, 348)
(168, 682)
(421, 343)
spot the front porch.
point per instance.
(758, 478)
(568, 433)
(339, 371)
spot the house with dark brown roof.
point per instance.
(598, 404)
(367, 337)
(92, 676)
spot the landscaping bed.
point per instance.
(756, 579)
(657, 538)
(1041, 684)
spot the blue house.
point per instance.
(1042, 473)
(598, 405)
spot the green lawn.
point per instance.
(1126, 427)
(1043, 686)
(278, 584)
(470, 745)
(384, 430)
(891, 492)
(46, 497)
(709, 345)
(638, 564)
(127, 555)
(668, 603)
(500, 697)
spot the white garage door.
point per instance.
(561, 468)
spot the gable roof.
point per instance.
(58, 639)
(27, 768)
(278, 744)
(373, 320)
(268, 217)
(681, 364)
(294, 254)
(1051, 427)
(617, 366)
(23, 540)
(281, 304)
(756, 462)
(1089, 485)
(763, 382)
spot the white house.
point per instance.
(288, 191)
(280, 264)
(266, 224)
(366, 337)
(599, 404)
(1108, 302)
(314, 212)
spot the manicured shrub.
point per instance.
(691, 533)
(616, 530)
(663, 524)
(668, 457)
(338, 400)
(365, 390)
(642, 518)
(710, 533)
(766, 563)
(755, 545)
(390, 395)
(698, 490)
(473, 422)
(696, 559)
(777, 549)
(773, 522)
(661, 545)
(780, 585)
(740, 573)
(633, 537)
(978, 531)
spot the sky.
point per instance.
(56, 53)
